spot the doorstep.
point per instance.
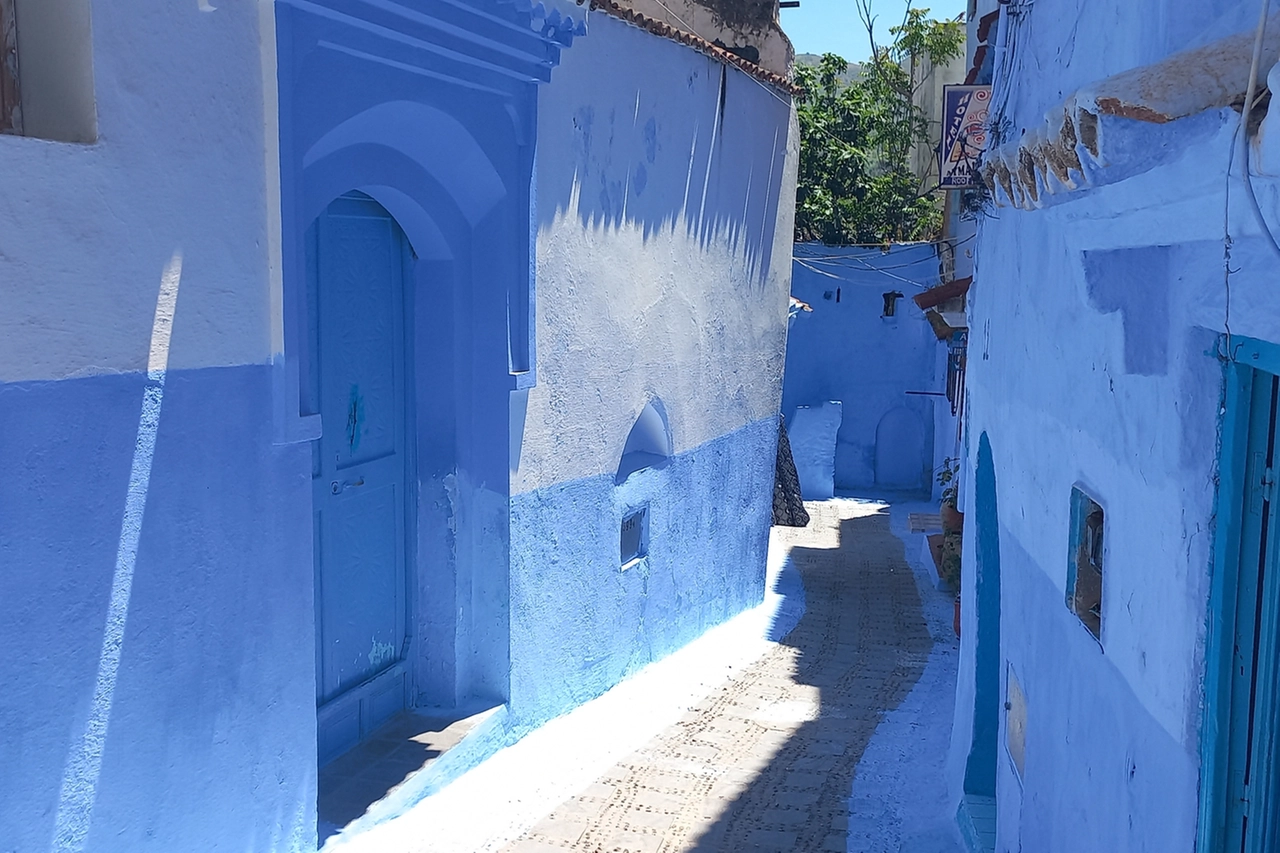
(354, 785)
(977, 819)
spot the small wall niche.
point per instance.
(634, 537)
(1085, 562)
(46, 70)
(648, 444)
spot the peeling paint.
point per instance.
(355, 414)
(451, 492)
(380, 654)
(1069, 151)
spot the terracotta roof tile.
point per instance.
(660, 28)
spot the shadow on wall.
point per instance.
(863, 644)
(669, 139)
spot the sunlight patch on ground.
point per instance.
(510, 792)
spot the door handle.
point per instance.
(337, 486)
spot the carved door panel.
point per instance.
(359, 474)
(1252, 748)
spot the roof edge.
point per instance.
(698, 43)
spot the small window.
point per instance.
(634, 539)
(1084, 569)
(46, 70)
(1015, 723)
(891, 303)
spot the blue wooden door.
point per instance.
(356, 306)
(1251, 814)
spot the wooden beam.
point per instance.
(10, 91)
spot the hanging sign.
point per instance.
(964, 134)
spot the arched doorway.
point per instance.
(356, 379)
(980, 767)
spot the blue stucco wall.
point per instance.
(1093, 364)
(580, 623)
(211, 736)
(1097, 760)
(212, 733)
(847, 351)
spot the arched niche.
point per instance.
(648, 444)
(980, 767)
(900, 451)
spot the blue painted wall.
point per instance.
(1092, 364)
(846, 350)
(664, 221)
(211, 732)
(579, 622)
(658, 295)
(212, 735)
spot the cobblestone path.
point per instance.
(766, 762)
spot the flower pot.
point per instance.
(952, 519)
(957, 622)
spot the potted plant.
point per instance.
(952, 530)
(952, 518)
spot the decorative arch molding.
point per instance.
(430, 110)
(431, 140)
(425, 210)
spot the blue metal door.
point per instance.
(1251, 825)
(356, 307)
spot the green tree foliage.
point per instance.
(856, 184)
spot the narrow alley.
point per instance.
(640, 426)
(833, 738)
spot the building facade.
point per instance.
(1117, 681)
(866, 345)
(416, 356)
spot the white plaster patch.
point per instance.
(380, 653)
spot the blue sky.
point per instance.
(832, 26)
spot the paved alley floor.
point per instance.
(833, 738)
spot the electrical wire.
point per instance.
(955, 241)
(839, 260)
(864, 265)
(895, 277)
(1227, 271)
(818, 271)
